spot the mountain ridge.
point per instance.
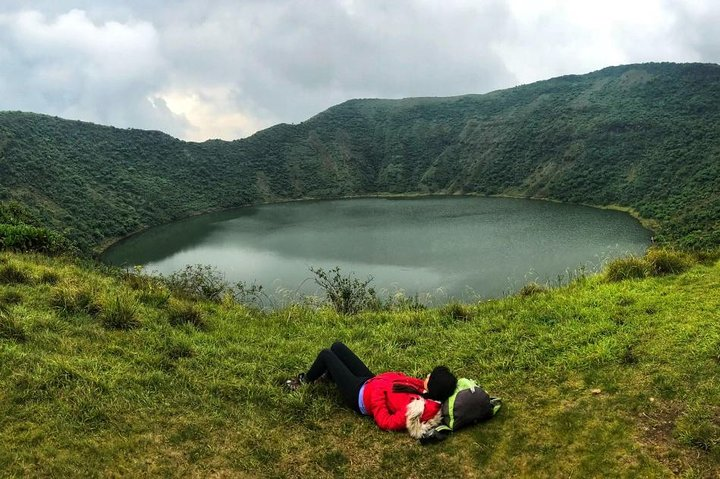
(643, 136)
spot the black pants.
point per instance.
(345, 369)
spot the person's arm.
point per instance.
(418, 383)
(385, 418)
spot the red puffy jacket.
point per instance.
(397, 411)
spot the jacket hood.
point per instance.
(421, 416)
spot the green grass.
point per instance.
(80, 399)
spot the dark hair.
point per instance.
(407, 388)
(441, 384)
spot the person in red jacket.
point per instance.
(396, 401)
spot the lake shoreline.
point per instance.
(646, 223)
(447, 245)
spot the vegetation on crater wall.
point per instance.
(642, 136)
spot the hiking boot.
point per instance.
(295, 383)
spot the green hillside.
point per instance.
(113, 373)
(644, 137)
(105, 374)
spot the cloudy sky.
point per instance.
(227, 68)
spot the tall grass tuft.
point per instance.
(182, 312)
(9, 328)
(11, 274)
(664, 261)
(631, 267)
(10, 297)
(70, 298)
(457, 312)
(699, 427)
(532, 289)
(120, 313)
(152, 291)
(49, 277)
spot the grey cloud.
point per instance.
(697, 27)
(72, 67)
(286, 60)
(290, 60)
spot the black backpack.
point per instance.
(468, 405)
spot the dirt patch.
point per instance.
(656, 425)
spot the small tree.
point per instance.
(348, 295)
(198, 282)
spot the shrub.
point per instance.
(14, 213)
(249, 294)
(9, 328)
(663, 261)
(120, 314)
(627, 268)
(25, 238)
(69, 298)
(11, 274)
(182, 312)
(531, 289)
(198, 282)
(346, 294)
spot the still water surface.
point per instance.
(444, 247)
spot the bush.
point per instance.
(181, 312)
(9, 329)
(198, 282)
(25, 238)
(13, 213)
(120, 314)
(346, 294)
(69, 298)
(11, 274)
(631, 267)
(531, 289)
(249, 294)
(663, 261)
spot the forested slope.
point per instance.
(646, 137)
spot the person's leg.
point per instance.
(348, 384)
(353, 363)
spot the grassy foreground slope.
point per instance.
(645, 137)
(102, 375)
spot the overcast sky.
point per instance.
(227, 68)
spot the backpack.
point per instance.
(468, 405)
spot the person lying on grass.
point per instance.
(397, 402)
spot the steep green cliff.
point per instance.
(645, 137)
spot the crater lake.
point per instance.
(440, 248)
